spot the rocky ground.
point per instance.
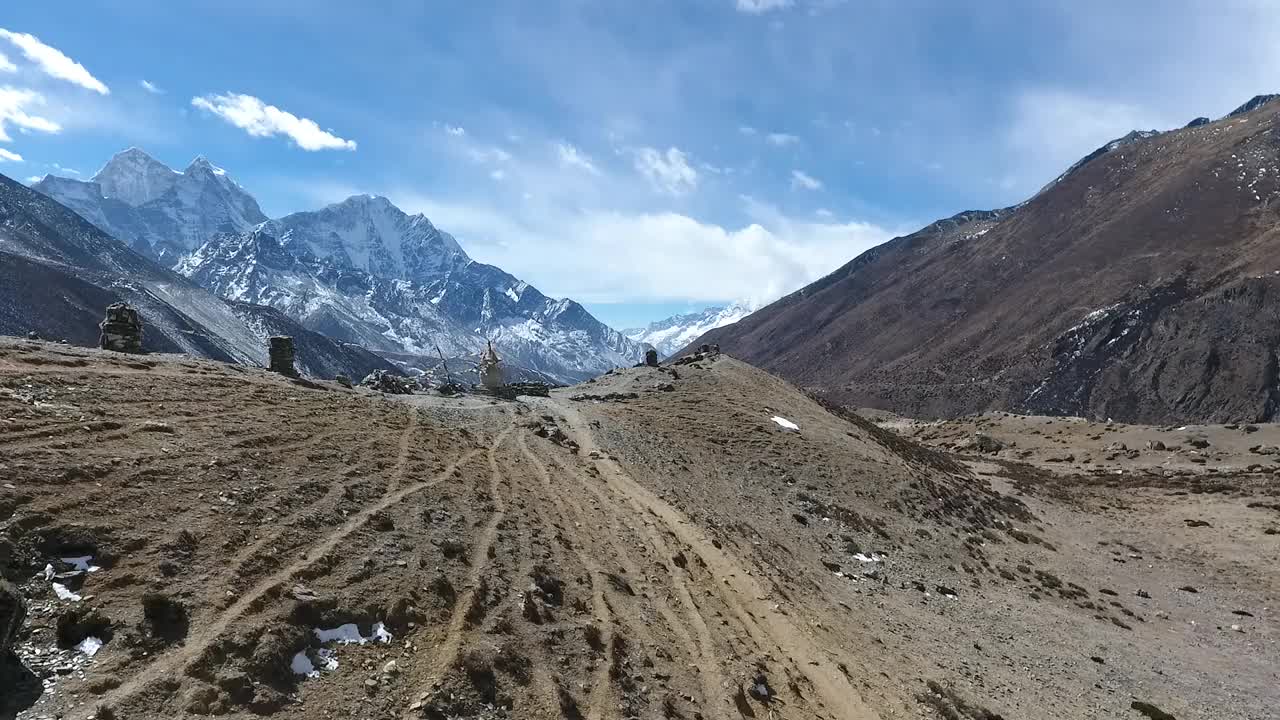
(698, 540)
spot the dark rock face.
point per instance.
(1139, 286)
(121, 330)
(13, 610)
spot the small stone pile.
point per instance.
(385, 382)
(280, 350)
(121, 330)
(651, 357)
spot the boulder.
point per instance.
(651, 357)
(385, 382)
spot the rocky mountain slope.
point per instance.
(360, 271)
(156, 210)
(222, 542)
(1142, 285)
(58, 273)
(669, 335)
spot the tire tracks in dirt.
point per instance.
(839, 698)
(449, 648)
(188, 653)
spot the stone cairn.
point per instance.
(651, 357)
(280, 350)
(121, 330)
(490, 369)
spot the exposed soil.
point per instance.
(665, 551)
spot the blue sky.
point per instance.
(642, 157)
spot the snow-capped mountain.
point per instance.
(369, 233)
(58, 273)
(677, 331)
(156, 210)
(360, 271)
(458, 310)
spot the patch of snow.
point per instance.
(873, 557)
(90, 646)
(786, 424)
(82, 563)
(349, 634)
(65, 594)
(302, 665)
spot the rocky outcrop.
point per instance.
(13, 610)
(385, 382)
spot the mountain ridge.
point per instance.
(1138, 286)
(360, 270)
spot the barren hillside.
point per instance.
(699, 540)
(1142, 286)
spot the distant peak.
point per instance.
(201, 164)
(1256, 102)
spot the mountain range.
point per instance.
(58, 273)
(360, 271)
(669, 335)
(1141, 285)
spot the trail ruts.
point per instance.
(837, 696)
(182, 657)
(447, 651)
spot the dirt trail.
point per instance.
(840, 699)
(182, 658)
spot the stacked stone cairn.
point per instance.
(280, 350)
(651, 357)
(121, 330)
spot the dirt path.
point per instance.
(838, 698)
(195, 645)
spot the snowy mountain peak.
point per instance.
(157, 210)
(668, 336)
(134, 177)
(369, 233)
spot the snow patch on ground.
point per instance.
(349, 634)
(786, 424)
(90, 646)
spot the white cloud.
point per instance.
(34, 179)
(150, 87)
(571, 156)
(53, 62)
(455, 131)
(6, 65)
(1052, 128)
(485, 155)
(805, 181)
(757, 7)
(69, 171)
(498, 175)
(615, 256)
(823, 213)
(262, 120)
(13, 105)
(668, 172)
(747, 130)
(782, 139)
(8, 156)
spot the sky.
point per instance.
(642, 157)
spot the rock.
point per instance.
(121, 329)
(984, 443)
(1151, 711)
(280, 353)
(391, 668)
(343, 380)
(651, 357)
(33, 335)
(13, 610)
(385, 382)
(1198, 443)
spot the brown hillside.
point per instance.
(1143, 285)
